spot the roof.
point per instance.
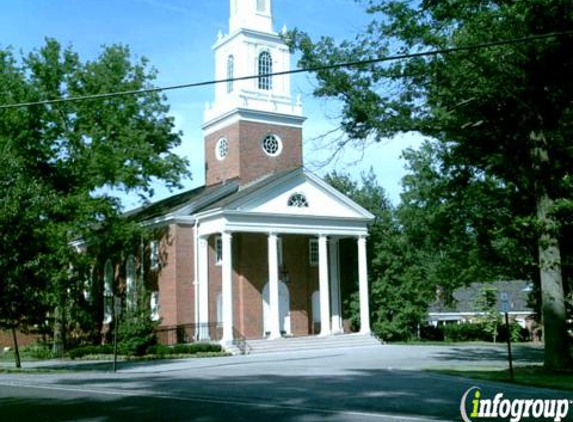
(465, 297)
(187, 202)
(251, 188)
(229, 196)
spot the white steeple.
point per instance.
(251, 48)
(255, 15)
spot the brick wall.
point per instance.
(24, 340)
(176, 276)
(250, 275)
(246, 158)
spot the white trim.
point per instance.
(287, 224)
(222, 121)
(324, 286)
(363, 286)
(227, 288)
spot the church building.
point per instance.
(265, 249)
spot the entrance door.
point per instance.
(284, 309)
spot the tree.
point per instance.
(503, 111)
(398, 292)
(64, 165)
(486, 302)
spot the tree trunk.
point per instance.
(16, 349)
(552, 295)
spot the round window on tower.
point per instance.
(222, 149)
(272, 145)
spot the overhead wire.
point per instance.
(293, 71)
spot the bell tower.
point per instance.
(254, 126)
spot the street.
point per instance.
(360, 384)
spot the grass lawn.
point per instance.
(535, 376)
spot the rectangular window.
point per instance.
(154, 255)
(261, 6)
(313, 252)
(218, 250)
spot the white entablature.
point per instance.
(251, 48)
(295, 202)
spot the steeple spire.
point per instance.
(255, 15)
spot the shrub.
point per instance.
(183, 349)
(191, 349)
(466, 332)
(431, 333)
(159, 350)
(80, 352)
(39, 351)
(136, 333)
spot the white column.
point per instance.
(323, 286)
(363, 286)
(203, 271)
(335, 286)
(227, 288)
(274, 286)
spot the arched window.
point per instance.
(130, 282)
(297, 200)
(230, 72)
(265, 69)
(107, 292)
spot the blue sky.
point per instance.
(176, 36)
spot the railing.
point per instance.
(189, 333)
(240, 341)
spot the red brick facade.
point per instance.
(246, 158)
(250, 274)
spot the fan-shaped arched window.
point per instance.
(265, 69)
(297, 200)
(230, 72)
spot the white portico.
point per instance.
(292, 203)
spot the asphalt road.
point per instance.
(361, 384)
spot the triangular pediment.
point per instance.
(298, 193)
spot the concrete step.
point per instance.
(286, 344)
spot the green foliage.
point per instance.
(481, 331)
(467, 331)
(62, 168)
(398, 292)
(487, 303)
(136, 332)
(90, 350)
(500, 193)
(184, 349)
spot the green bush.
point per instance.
(183, 349)
(466, 332)
(517, 333)
(159, 350)
(191, 349)
(80, 352)
(39, 352)
(136, 333)
(431, 333)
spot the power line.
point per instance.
(295, 71)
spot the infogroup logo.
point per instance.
(474, 406)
